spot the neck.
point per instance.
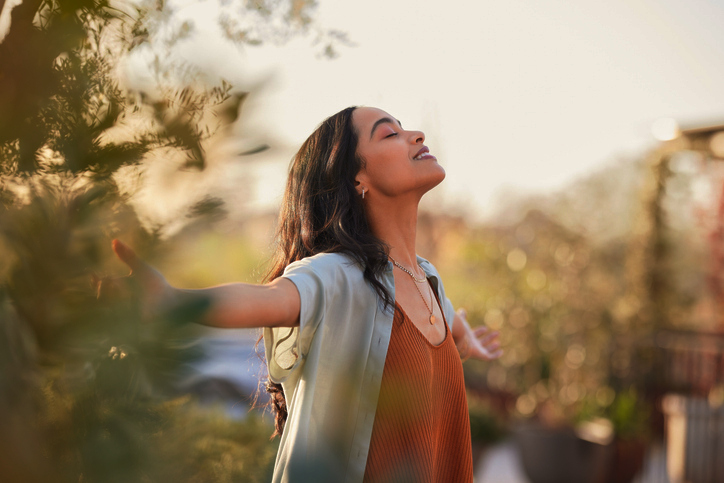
(397, 227)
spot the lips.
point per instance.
(422, 153)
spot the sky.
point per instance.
(520, 96)
(515, 96)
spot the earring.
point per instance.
(363, 193)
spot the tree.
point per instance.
(80, 377)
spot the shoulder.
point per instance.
(331, 266)
(428, 267)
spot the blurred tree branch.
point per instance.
(80, 376)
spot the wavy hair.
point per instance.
(322, 213)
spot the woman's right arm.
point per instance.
(239, 305)
(233, 305)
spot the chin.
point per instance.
(436, 180)
(441, 174)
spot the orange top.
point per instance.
(421, 431)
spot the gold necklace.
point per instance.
(432, 318)
(409, 272)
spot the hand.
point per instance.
(480, 343)
(149, 278)
(154, 290)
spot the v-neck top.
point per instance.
(421, 431)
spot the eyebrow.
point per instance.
(383, 121)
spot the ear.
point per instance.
(360, 182)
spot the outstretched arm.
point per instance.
(238, 305)
(479, 343)
(233, 305)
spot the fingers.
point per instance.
(495, 355)
(485, 354)
(490, 350)
(485, 342)
(127, 255)
(485, 335)
(478, 331)
(488, 343)
(487, 338)
(494, 348)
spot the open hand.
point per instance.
(148, 277)
(152, 287)
(480, 343)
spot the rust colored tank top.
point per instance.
(421, 431)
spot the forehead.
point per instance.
(363, 118)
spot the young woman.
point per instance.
(363, 348)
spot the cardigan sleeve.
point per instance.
(286, 347)
(318, 279)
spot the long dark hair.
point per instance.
(323, 213)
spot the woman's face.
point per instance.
(396, 162)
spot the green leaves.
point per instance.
(85, 377)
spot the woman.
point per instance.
(363, 347)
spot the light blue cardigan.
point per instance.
(331, 368)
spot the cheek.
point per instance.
(383, 170)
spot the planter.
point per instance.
(557, 455)
(694, 440)
(627, 460)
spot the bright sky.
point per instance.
(521, 94)
(517, 95)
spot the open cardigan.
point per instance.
(331, 367)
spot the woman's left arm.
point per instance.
(479, 343)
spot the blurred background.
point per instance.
(582, 216)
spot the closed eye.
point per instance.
(390, 135)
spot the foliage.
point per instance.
(122, 440)
(255, 21)
(630, 415)
(571, 280)
(485, 423)
(65, 111)
(86, 390)
(551, 293)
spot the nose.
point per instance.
(418, 137)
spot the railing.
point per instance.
(690, 363)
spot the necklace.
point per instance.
(432, 318)
(409, 272)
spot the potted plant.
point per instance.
(558, 446)
(595, 440)
(630, 417)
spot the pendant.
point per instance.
(432, 319)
